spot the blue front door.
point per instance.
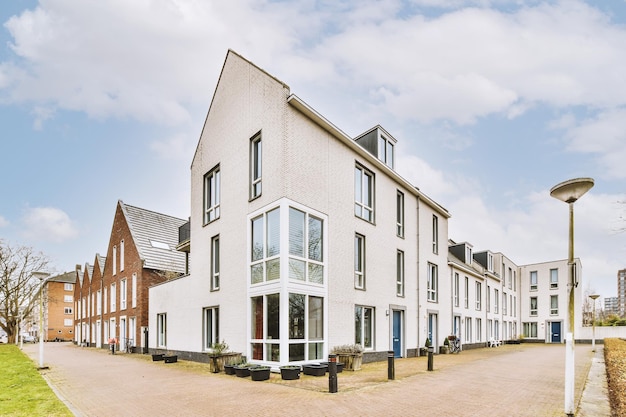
(556, 332)
(397, 333)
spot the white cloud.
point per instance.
(48, 224)
(176, 147)
(3, 222)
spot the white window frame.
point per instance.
(359, 261)
(400, 213)
(533, 311)
(123, 291)
(533, 280)
(496, 300)
(114, 259)
(362, 208)
(161, 330)
(256, 166)
(386, 151)
(365, 335)
(121, 255)
(68, 286)
(211, 195)
(133, 290)
(68, 298)
(432, 283)
(215, 263)
(466, 293)
(98, 302)
(554, 305)
(210, 326)
(400, 273)
(113, 298)
(68, 310)
(435, 234)
(554, 278)
(478, 300)
(268, 260)
(456, 288)
(306, 250)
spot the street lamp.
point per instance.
(42, 276)
(593, 322)
(569, 192)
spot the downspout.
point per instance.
(419, 315)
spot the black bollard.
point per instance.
(430, 357)
(332, 373)
(391, 367)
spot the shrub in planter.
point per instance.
(351, 356)
(290, 372)
(260, 373)
(242, 370)
(229, 369)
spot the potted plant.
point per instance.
(216, 355)
(351, 356)
(314, 369)
(290, 372)
(424, 350)
(445, 348)
(242, 370)
(229, 369)
(260, 373)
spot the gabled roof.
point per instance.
(89, 270)
(155, 236)
(101, 262)
(69, 277)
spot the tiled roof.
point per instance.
(101, 261)
(89, 270)
(64, 277)
(155, 236)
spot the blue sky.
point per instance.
(492, 103)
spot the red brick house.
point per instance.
(114, 293)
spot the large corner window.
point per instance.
(306, 327)
(210, 326)
(161, 330)
(364, 193)
(364, 326)
(305, 247)
(212, 195)
(359, 262)
(215, 263)
(432, 283)
(255, 166)
(400, 214)
(265, 320)
(265, 256)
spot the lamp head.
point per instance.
(571, 190)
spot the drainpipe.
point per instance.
(419, 314)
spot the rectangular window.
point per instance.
(468, 330)
(256, 171)
(433, 283)
(533, 306)
(554, 304)
(479, 296)
(510, 278)
(466, 299)
(554, 278)
(490, 262)
(123, 294)
(122, 255)
(68, 298)
(530, 329)
(456, 289)
(98, 302)
(68, 287)
(113, 298)
(215, 263)
(496, 300)
(134, 290)
(265, 327)
(385, 151)
(435, 234)
(114, 260)
(265, 256)
(68, 322)
(364, 194)
(400, 214)
(488, 298)
(400, 273)
(212, 195)
(68, 310)
(364, 326)
(533, 280)
(161, 330)
(359, 262)
(105, 303)
(479, 329)
(305, 247)
(211, 329)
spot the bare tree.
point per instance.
(18, 287)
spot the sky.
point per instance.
(493, 102)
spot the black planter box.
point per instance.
(290, 373)
(229, 369)
(314, 370)
(170, 359)
(339, 366)
(242, 371)
(157, 357)
(261, 373)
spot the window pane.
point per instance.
(273, 269)
(273, 232)
(315, 239)
(316, 273)
(316, 351)
(273, 316)
(358, 317)
(296, 317)
(257, 238)
(256, 273)
(257, 351)
(257, 317)
(316, 318)
(296, 232)
(358, 186)
(296, 352)
(368, 328)
(389, 159)
(273, 351)
(296, 269)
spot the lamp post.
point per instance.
(593, 322)
(569, 192)
(42, 276)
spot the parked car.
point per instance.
(4, 339)
(27, 338)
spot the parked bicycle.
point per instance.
(455, 344)
(129, 345)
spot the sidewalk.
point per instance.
(512, 380)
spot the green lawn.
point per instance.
(23, 392)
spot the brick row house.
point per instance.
(112, 296)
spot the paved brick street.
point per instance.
(512, 380)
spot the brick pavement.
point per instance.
(512, 380)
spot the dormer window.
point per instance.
(489, 262)
(386, 151)
(468, 254)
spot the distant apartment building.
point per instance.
(611, 306)
(621, 292)
(58, 296)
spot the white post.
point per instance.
(593, 323)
